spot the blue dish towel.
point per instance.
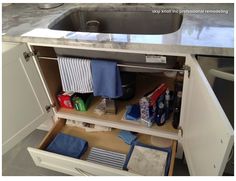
(68, 145)
(127, 136)
(106, 79)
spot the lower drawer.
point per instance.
(103, 140)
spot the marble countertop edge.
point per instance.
(122, 46)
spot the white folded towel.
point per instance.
(75, 74)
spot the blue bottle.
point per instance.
(161, 115)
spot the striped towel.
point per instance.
(107, 158)
(75, 74)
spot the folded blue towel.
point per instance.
(106, 79)
(127, 136)
(68, 145)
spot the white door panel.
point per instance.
(24, 98)
(207, 133)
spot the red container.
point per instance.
(65, 100)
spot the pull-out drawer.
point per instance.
(103, 140)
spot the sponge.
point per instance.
(127, 137)
(132, 112)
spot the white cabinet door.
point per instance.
(24, 98)
(207, 134)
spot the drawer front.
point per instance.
(72, 166)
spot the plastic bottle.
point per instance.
(177, 109)
(160, 117)
(167, 103)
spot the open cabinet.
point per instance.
(24, 93)
(207, 134)
(204, 131)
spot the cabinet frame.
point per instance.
(186, 106)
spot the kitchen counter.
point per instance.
(200, 33)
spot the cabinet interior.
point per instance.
(145, 82)
(103, 139)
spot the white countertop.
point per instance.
(200, 33)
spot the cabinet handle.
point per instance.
(83, 172)
(221, 74)
(181, 131)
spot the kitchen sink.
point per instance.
(117, 21)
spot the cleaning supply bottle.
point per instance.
(160, 117)
(167, 103)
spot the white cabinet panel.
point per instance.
(207, 133)
(24, 98)
(72, 166)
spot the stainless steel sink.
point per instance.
(118, 21)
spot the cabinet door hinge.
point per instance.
(48, 108)
(180, 131)
(28, 55)
(188, 68)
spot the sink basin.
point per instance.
(119, 22)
